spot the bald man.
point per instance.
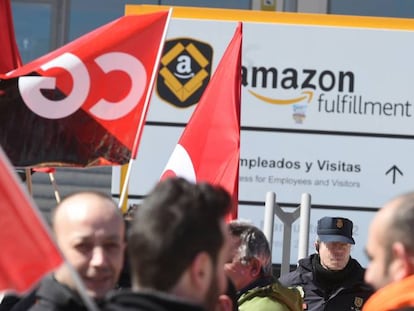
(89, 230)
(390, 249)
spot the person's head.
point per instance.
(179, 243)
(251, 258)
(89, 230)
(390, 244)
(334, 242)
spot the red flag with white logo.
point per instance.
(9, 54)
(84, 104)
(27, 249)
(209, 148)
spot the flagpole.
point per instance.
(55, 188)
(29, 183)
(144, 114)
(125, 184)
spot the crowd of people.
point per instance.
(177, 252)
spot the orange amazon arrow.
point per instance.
(307, 94)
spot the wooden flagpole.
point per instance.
(29, 181)
(55, 188)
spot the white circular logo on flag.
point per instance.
(180, 165)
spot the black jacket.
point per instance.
(329, 290)
(50, 295)
(126, 300)
(8, 301)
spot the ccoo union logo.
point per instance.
(185, 71)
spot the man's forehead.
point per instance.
(84, 224)
(77, 233)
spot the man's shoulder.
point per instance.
(127, 300)
(357, 265)
(51, 295)
(52, 290)
(302, 272)
(47, 305)
(274, 295)
(123, 299)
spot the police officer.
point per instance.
(330, 278)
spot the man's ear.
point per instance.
(255, 268)
(402, 264)
(201, 272)
(224, 303)
(317, 246)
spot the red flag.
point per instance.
(209, 148)
(9, 54)
(83, 104)
(27, 250)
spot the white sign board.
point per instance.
(326, 110)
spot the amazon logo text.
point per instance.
(306, 80)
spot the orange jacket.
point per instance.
(393, 296)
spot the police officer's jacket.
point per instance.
(343, 290)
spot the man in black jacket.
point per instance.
(90, 231)
(178, 243)
(330, 278)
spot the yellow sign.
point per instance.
(275, 17)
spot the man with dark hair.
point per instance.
(178, 244)
(390, 249)
(330, 278)
(251, 272)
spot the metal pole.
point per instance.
(269, 217)
(63, 22)
(287, 219)
(302, 211)
(287, 239)
(304, 226)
